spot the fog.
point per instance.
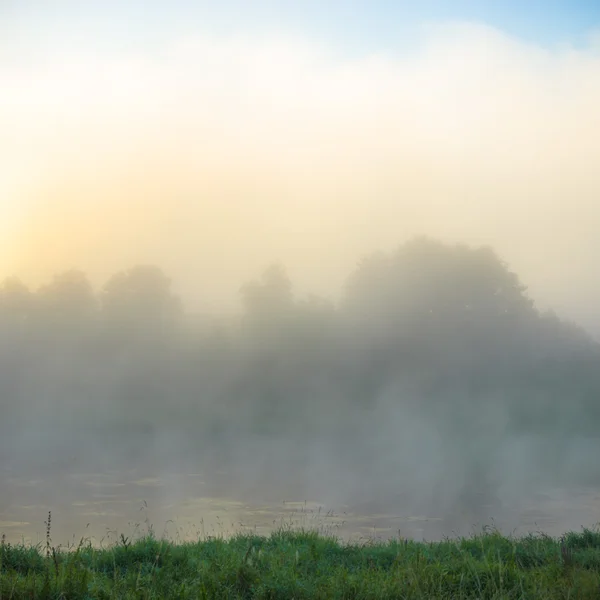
(145, 193)
(276, 147)
(435, 388)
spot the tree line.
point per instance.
(447, 332)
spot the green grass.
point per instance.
(306, 564)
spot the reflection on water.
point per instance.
(186, 506)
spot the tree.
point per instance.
(272, 293)
(269, 302)
(141, 297)
(69, 297)
(436, 316)
(426, 285)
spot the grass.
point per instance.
(299, 563)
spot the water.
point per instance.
(186, 506)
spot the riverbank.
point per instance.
(306, 564)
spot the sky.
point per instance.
(351, 26)
(215, 138)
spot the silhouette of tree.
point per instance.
(270, 296)
(141, 297)
(427, 281)
(268, 306)
(69, 298)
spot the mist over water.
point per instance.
(431, 399)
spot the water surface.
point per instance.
(187, 505)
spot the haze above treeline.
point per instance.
(238, 149)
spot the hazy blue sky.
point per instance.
(354, 27)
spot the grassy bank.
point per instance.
(304, 564)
